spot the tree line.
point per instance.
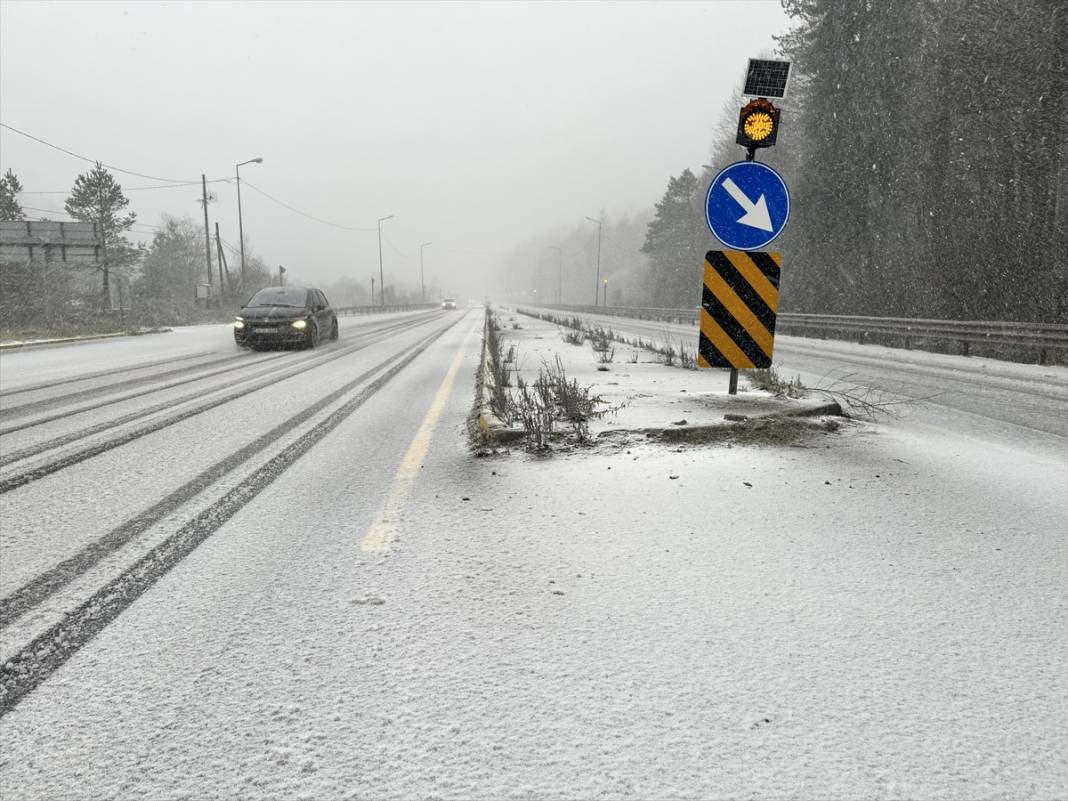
(153, 283)
(145, 283)
(923, 142)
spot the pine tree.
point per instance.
(97, 198)
(9, 205)
(676, 242)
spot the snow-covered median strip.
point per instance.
(637, 394)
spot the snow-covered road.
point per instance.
(191, 606)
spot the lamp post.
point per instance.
(381, 278)
(597, 283)
(606, 293)
(240, 225)
(422, 282)
(560, 286)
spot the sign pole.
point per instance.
(759, 192)
(732, 387)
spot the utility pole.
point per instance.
(597, 283)
(372, 290)
(381, 277)
(222, 266)
(240, 224)
(207, 231)
(560, 286)
(422, 281)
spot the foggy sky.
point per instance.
(476, 125)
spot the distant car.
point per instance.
(285, 315)
(448, 303)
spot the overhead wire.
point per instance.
(95, 161)
(136, 224)
(176, 183)
(129, 188)
(394, 248)
(304, 214)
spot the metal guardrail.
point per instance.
(353, 311)
(1037, 340)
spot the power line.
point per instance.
(95, 161)
(129, 188)
(46, 211)
(230, 247)
(394, 248)
(309, 216)
(75, 219)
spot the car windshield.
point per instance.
(279, 296)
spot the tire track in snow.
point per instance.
(34, 407)
(37, 661)
(100, 374)
(32, 474)
(47, 583)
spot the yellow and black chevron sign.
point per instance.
(738, 307)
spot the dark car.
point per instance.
(285, 315)
(448, 303)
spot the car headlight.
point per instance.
(300, 325)
(239, 323)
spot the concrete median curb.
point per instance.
(486, 427)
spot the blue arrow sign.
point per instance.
(747, 205)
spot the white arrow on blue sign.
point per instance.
(747, 205)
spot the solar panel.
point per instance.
(766, 78)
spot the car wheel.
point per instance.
(334, 331)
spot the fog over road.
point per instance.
(283, 575)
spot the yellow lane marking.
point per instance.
(380, 535)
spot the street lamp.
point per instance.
(381, 278)
(240, 225)
(606, 293)
(597, 283)
(560, 289)
(422, 282)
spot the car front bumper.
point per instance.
(270, 334)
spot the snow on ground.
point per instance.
(637, 389)
(876, 613)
